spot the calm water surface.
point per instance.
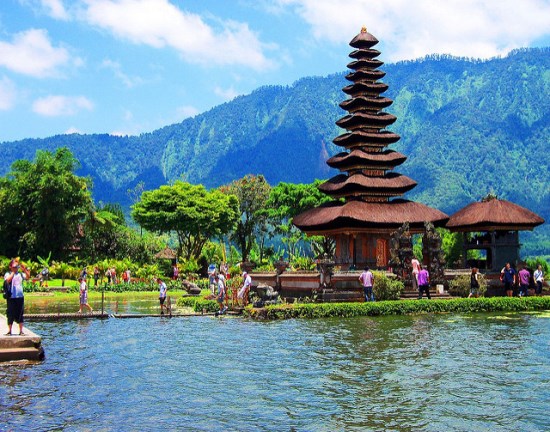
(433, 373)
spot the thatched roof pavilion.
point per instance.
(367, 206)
(166, 253)
(498, 223)
(493, 214)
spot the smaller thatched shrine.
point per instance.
(166, 253)
(495, 225)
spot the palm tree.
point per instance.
(98, 218)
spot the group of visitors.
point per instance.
(420, 280)
(523, 279)
(221, 292)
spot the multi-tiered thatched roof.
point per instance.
(366, 192)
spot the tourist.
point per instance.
(83, 295)
(524, 278)
(84, 273)
(162, 295)
(415, 269)
(423, 282)
(221, 277)
(109, 276)
(474, 283)
(126, 274)
(16, 303)
(175, 272)
(113, 276)
(508, 277)
(367, 280)
(243, 292)
(44, 276)
(223, 269)
(96, 275)
(538, 277)
(221, 293)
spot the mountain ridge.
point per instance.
(468, 127)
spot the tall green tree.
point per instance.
(288, 200)
(42, 204)
(252, 192)
(190, 211)
(100, 227)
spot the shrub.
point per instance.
(387, 288)
(401, 307)
(198, 304)
(460, 285)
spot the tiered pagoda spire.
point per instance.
(366, 193)
(367, 163)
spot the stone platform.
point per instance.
(15, 347)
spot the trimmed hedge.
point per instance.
(400, 307)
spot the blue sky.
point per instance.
(131, 66)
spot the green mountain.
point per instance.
(469, 127)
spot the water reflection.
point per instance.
(50, 304)
(432, 372)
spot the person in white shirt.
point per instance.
(243, 292)
(538, 276)
(84, 295)
(415, 270)
(162, 295)
(16, 302)
(221, 293)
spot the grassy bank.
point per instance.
(96, 295)
(399, 307)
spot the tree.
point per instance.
(190, 211)
(100, 230)
(288, 200)
(252, 193)
(42, 204)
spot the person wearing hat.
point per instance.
(16, 303)
(243, 292)
(221, 293)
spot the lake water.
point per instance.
(411, 373)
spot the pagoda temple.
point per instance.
(366, 208)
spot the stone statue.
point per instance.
(401, 252)
(433, 255)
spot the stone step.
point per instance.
(433, 294)
(334, 296)
(21, 353)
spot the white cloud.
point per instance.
(159, 23)
(73, 130)
(226, 94)
(55, 9)
(470, 28)
(56, 106)
(121, 133)
(31, 53)
(187, 111)
(8, 94)
(127, 80)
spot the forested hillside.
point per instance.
(468, 128)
